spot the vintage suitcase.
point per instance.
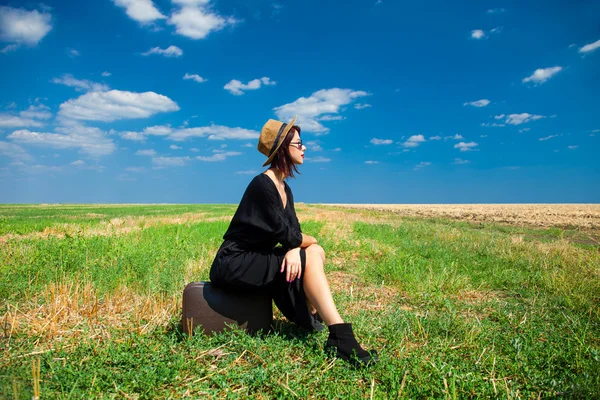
(212, 308)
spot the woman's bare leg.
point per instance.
(316, 286)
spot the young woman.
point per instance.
(250, 260)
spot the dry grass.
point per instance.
(583, 216)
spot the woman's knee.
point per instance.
(317, 250)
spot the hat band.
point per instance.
(277, 139)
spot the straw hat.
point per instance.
(272, 136)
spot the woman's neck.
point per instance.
(279, 176)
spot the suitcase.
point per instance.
(211, 308)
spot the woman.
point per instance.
(292, 273)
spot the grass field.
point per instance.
(90, 299)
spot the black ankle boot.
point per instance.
(342, 343)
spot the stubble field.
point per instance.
(464, 301)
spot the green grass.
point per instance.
(456, 310)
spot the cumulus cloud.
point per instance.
(80, 84)
(422, 164)
(321, 104)
(171, 51)
(460, 161)
(518, 119)
(115, 105)
(221, 156)
(246, 172)
(496, 10)
(414, 141)
(548, 137)
(590, 47)
(89, 140)
(237, 88)
(165, 162)
(14, 151)
(19, 26)
(572, 147)
(541, 75)
(492, 124)
(435, 138)
(371, 162)
(142, 11)
(465, 146)
(106, 73)
(313, 145)
(195, 20)
(26, 118)
(175, 147)
(478, 103)
(360, 106)
(212, 132)
(376, 141)
(194, 77)
(477, 34)
(73, 53)
(318, 159)
(149, 152)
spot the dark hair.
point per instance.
(282, 160)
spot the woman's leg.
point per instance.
(316, 286)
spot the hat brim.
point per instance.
(286, 130)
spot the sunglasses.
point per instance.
(298, 145)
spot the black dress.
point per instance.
(250, 259)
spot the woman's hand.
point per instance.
(292, 265)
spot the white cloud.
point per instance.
(174, 147)
(496, 10)
(78, 163)
(106, 73)
(13, 121)
(548, 137)
(149, 152)
(135, 136)
(376, 141)
(194, 77)
(237, 88)
(116, 104)
(371, 162)
(19, 26)
(331, 118)
(455, 137)
(477, 34)
(135, 169)
(195, 21)
(89, 140)
(337, 149)
(164, 162)
(10, 48)
(221, 156)
(318, 159)
(212, 132)
(74, 53)
(572, 147)
(518, 119)
(465, 146)
(171, 51)
(37, 111)
(321, 104)
(590, 47)
(483, 136)
(460, 161)
(541, 75)
(499, 116)
(435, 138)
(142, 11)
(39, 169)
(360, 106)
(492, 124)
(247, 172)
(414, 141)
(313, 145)
(422, 164)
(478, 103)
(524, 130)
(80, 84)
(14, 151)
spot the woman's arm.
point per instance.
(307, 240)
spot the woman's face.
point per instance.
(297, 149)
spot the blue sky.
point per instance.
(147, 101)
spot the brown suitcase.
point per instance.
(212, 308)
